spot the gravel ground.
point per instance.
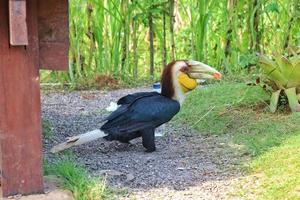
(186, 165)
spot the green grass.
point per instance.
(271, 140)
(76, 179)
(47, 129)
(279, 171)
(240, 110)
(217, 109)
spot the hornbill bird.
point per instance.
(139, 114)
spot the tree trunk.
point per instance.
(256, 45)
(124, 4)
(90, 34)
(134, 48)
(230, 8)
(172, 20)
(150, 19)
(164, 56)
(255, 33)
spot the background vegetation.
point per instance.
(132, 40)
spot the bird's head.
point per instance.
(180, 77)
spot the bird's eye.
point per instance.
(185, 69)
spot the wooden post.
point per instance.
(20, 129)
(20, 112)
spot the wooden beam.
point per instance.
(53, 23)
(17, 22)
(20, 122)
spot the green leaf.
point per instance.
(294, 76)
(272, 70)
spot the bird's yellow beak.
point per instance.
(202, 71)
(186, 83)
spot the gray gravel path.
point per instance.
(186, 165)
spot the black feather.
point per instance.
(130, 98)
(138, 114)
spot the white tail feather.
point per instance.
(112, 107)
(78, 140)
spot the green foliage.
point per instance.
(248, 59)
(283, 71)
(76, 179)
(111, 37)
(283, 74)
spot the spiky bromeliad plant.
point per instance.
(284, 75)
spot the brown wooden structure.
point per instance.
(33, 35)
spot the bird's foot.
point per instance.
(149, 150)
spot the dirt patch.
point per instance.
(55, 194)
(103, 81)
(52, 192)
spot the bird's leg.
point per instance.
(125, 138)
(148, 139)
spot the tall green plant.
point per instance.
(199, 26)
(284, 72)
(109, 37)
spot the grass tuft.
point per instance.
(47, 129)
(76, 179)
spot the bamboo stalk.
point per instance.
(151, 32)
(172, 20)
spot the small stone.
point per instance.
(94, 167)
(110, 172)
(129, 177)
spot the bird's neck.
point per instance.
(179, 95)
(170, 86)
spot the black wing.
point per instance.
(148, 111)
(130, 98)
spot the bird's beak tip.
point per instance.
(217, 76)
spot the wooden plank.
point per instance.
(54, 56)
(20, 122)
(53, 21)
(17, 22)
